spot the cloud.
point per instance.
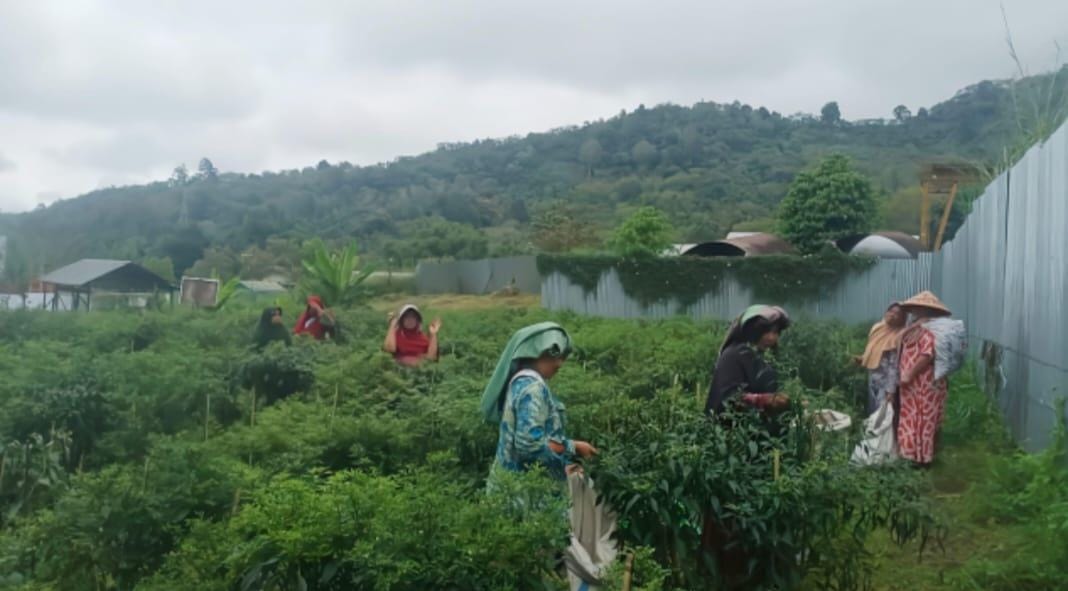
(120, 91)
(6, 165)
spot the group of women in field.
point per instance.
(909, 356)
(900, 356)
(405, 339)
(904, 358)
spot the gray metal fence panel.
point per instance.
(856, 299)
(478, 277)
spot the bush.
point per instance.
(278, 371)
(357, 530)
(807, 513)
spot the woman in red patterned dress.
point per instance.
(922, 399)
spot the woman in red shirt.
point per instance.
(406, 341)
(317, 320)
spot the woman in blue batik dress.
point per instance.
(530, 419)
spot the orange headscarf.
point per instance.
(881, 339)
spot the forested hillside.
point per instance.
(711, 167)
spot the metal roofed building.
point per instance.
(88, 276)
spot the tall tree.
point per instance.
(558, 228)
(179, 177)
(826, 203)
(590, 154)
(644, 153)
(438, 238)
(184, 246)
(902, 113)
(831, 114)
(690, 138)
(161, 266)
(206, 170)
(646, 233)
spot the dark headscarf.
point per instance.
(267, 331)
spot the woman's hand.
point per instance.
(435, 326)
(858, 360)
(574, 469)
(585, 450)
(392, 319)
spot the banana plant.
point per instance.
(336, 275)
(226, 291)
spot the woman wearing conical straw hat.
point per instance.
(922, 393)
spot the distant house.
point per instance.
(73, 286)
(743, 244)
(884, 245)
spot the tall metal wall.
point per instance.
(1005, 274)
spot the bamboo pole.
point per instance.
(207, 413)
(925, 216)
(144, 478)
(945, 218)
(776, 462)
(628, 572)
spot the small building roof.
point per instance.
(749, 245)
(886, 245)
(106, 274)
(262, 286)
(676, 249)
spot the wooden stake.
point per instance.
(776, 460)
(628, 572)
(945, 218)
(237, 502)
(252, 418)
(337, 396)
(144, 480)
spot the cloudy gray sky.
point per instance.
(96, 93)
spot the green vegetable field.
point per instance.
(157, 450)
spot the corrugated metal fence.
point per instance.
(1005, 274)
(857, 298)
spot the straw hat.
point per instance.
(926, 299)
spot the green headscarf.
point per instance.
(527, 343)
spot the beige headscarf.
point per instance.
(881, 339)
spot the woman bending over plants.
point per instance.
(531, 419)
(741, 376)
(743, 379)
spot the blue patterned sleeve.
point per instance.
(533, 429)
